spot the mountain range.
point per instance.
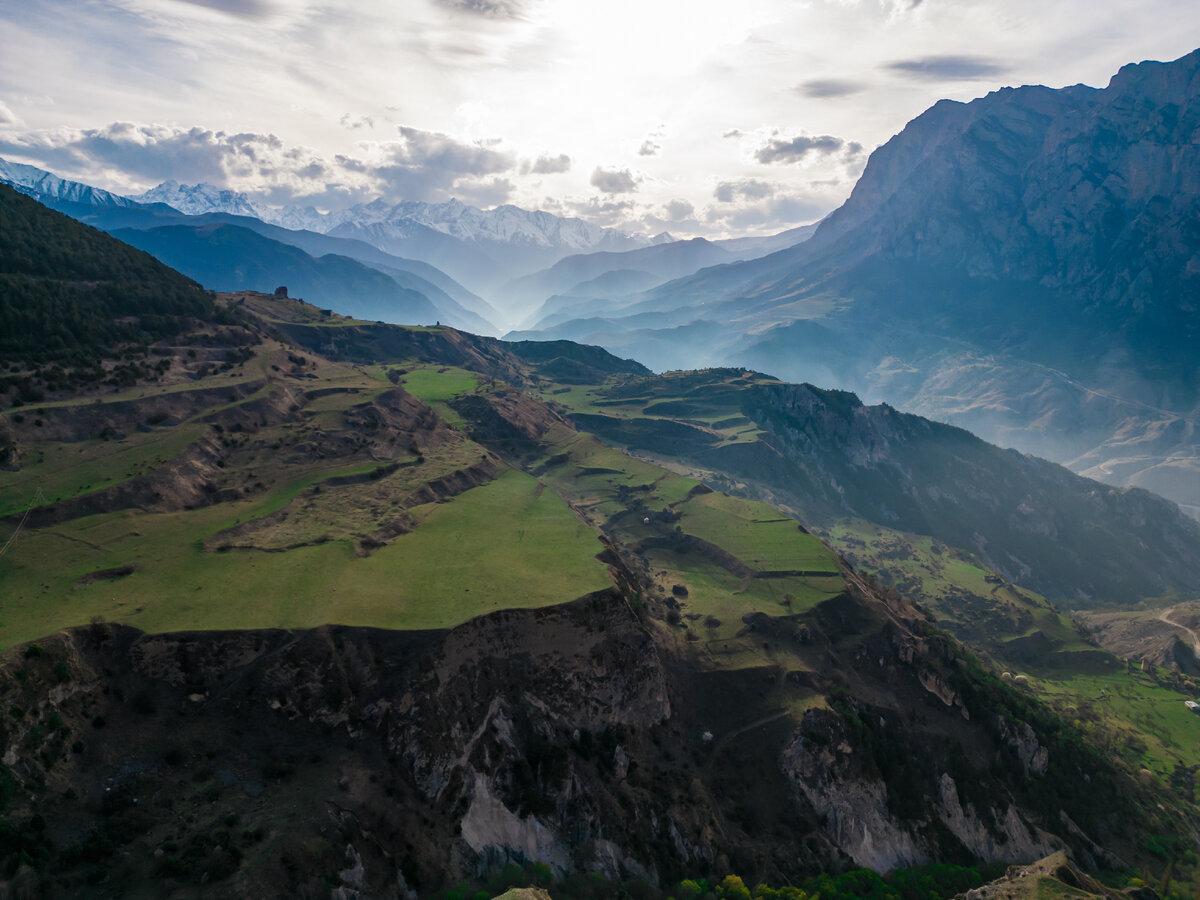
(500, 252)
(1026, 265)
(480, 248)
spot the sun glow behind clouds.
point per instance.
(640, 89)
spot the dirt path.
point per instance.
(1165, 616)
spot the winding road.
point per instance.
(1165, 616)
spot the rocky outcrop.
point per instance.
(583, 736)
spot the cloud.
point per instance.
(821, 88)
(428, 165)
(8, 117)
(614, 181)
(484, 194)
(745, 188)
(153, 152)
(732, 133)
(420, 165)
(948, 68)
(649, 148)
(351, 123)
(493, 9)
(242, 9)
(437, 152)
(678, 210)
(550, 165)
(779, 211)
(605, 213)
(778, 149)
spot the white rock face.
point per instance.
(855, 809)
(1017, 839)
(490, 824)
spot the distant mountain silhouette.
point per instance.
(229, 258)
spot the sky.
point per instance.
(694, 117)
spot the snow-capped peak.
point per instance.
(40, 183)
(197, 199)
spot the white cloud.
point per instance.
(8, 117)
(539, 74)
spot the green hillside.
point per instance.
(71, 295)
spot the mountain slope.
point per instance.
(228, 258)
(73, 294)
(1024, 265)
(110, 212)
(825, 456)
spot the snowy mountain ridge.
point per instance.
(34, 181)
(198, 199)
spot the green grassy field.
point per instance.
(711, 400)
(1136, 715)
(618, 493)
(1017, 627)
(68, 469)
(755, 533)
(537, 553)
(437, 385)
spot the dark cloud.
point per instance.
(618, 181)
(648, 148)
(494, 9)
(243, 9)
(421, 165)
(440, 152)
(154, 152)
(426, 165)
(744, 189)
(948, 68)
(829, 87)
(350, 164)
(732, 133)
(780, 149)
(678, 210)
(551, 165)
(314, 171)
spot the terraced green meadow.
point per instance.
(721, 559)
(438, 576)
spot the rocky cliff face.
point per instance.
(582, 736)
